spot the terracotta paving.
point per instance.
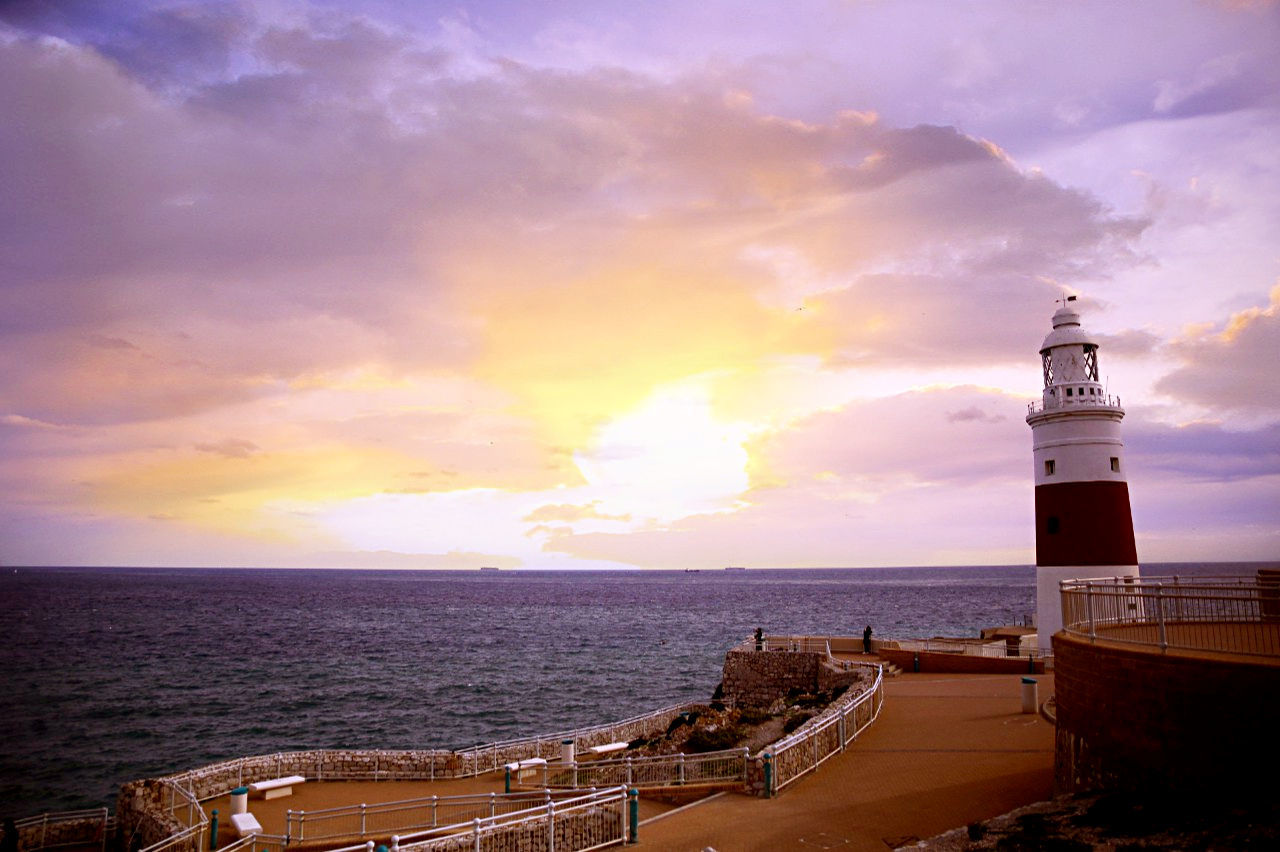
(947, 750)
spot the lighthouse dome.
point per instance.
(1066, 330)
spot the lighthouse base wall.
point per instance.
(1138, 719)
(1049, 595)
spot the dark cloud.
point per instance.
(1203, 451)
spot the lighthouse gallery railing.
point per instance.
(1227, 615)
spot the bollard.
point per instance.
(768, 775)
(213, 830)
(506, 781)
(915, 662)
(633, 812)
(240, 800)
(1030, 698)
(566, 751)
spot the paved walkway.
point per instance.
(947, 750)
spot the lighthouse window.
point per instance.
(1051, 525)
(1068, 391)
(1115, 464)
(1048, 467)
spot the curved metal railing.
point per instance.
(1226, 615)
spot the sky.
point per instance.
(607, 284)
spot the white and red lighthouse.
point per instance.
(1084, 527)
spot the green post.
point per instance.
(768, 775)
(506, 781)
(213, 830)
(633, 812)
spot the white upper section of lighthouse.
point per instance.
(1069, 356)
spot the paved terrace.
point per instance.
(947, 750)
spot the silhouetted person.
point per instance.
(759, 639)
(10, 841)
(866, 640)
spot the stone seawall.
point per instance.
(758, 678)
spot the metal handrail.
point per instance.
(96, 822)
(647, 771)
(827, 734)
(531, 816)
(1229, 615)
(1074, 402)
(406, 815)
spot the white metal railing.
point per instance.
(1230, 615)
(662, 770)
(189, 839)
(492, 756)
(993, 648)
(598, 818)
(1099, 401)
(64, 828)
(827, 734)
(386, 818)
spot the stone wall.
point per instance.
(758, 678)
(1134, 718)
(143, 807)
(56, 830)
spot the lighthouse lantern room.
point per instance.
(1084, 527)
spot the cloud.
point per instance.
(567, 513)
(232, 448)
(1233, 368)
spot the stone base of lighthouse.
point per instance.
(1049, 595)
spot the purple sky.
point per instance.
(585, 284)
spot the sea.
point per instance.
(114, 674)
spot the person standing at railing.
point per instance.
(759, 639)
(10, 841)
(866, 640)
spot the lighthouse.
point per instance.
(1084, 527)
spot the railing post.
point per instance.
(362, 809)
(840, 730)
(633, 816)
(475, 828)
(435, 800)
(628, 770)
(1088, 608)
(680, 761)
(395, 843)
(493, 806)
(551, 828)
(1164, 642)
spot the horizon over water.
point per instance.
(118, 673)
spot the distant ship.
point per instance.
(735, 568)
(489, 568)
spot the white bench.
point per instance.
(245, 824)
(524, 769)
(607, 748)
(275, 788)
